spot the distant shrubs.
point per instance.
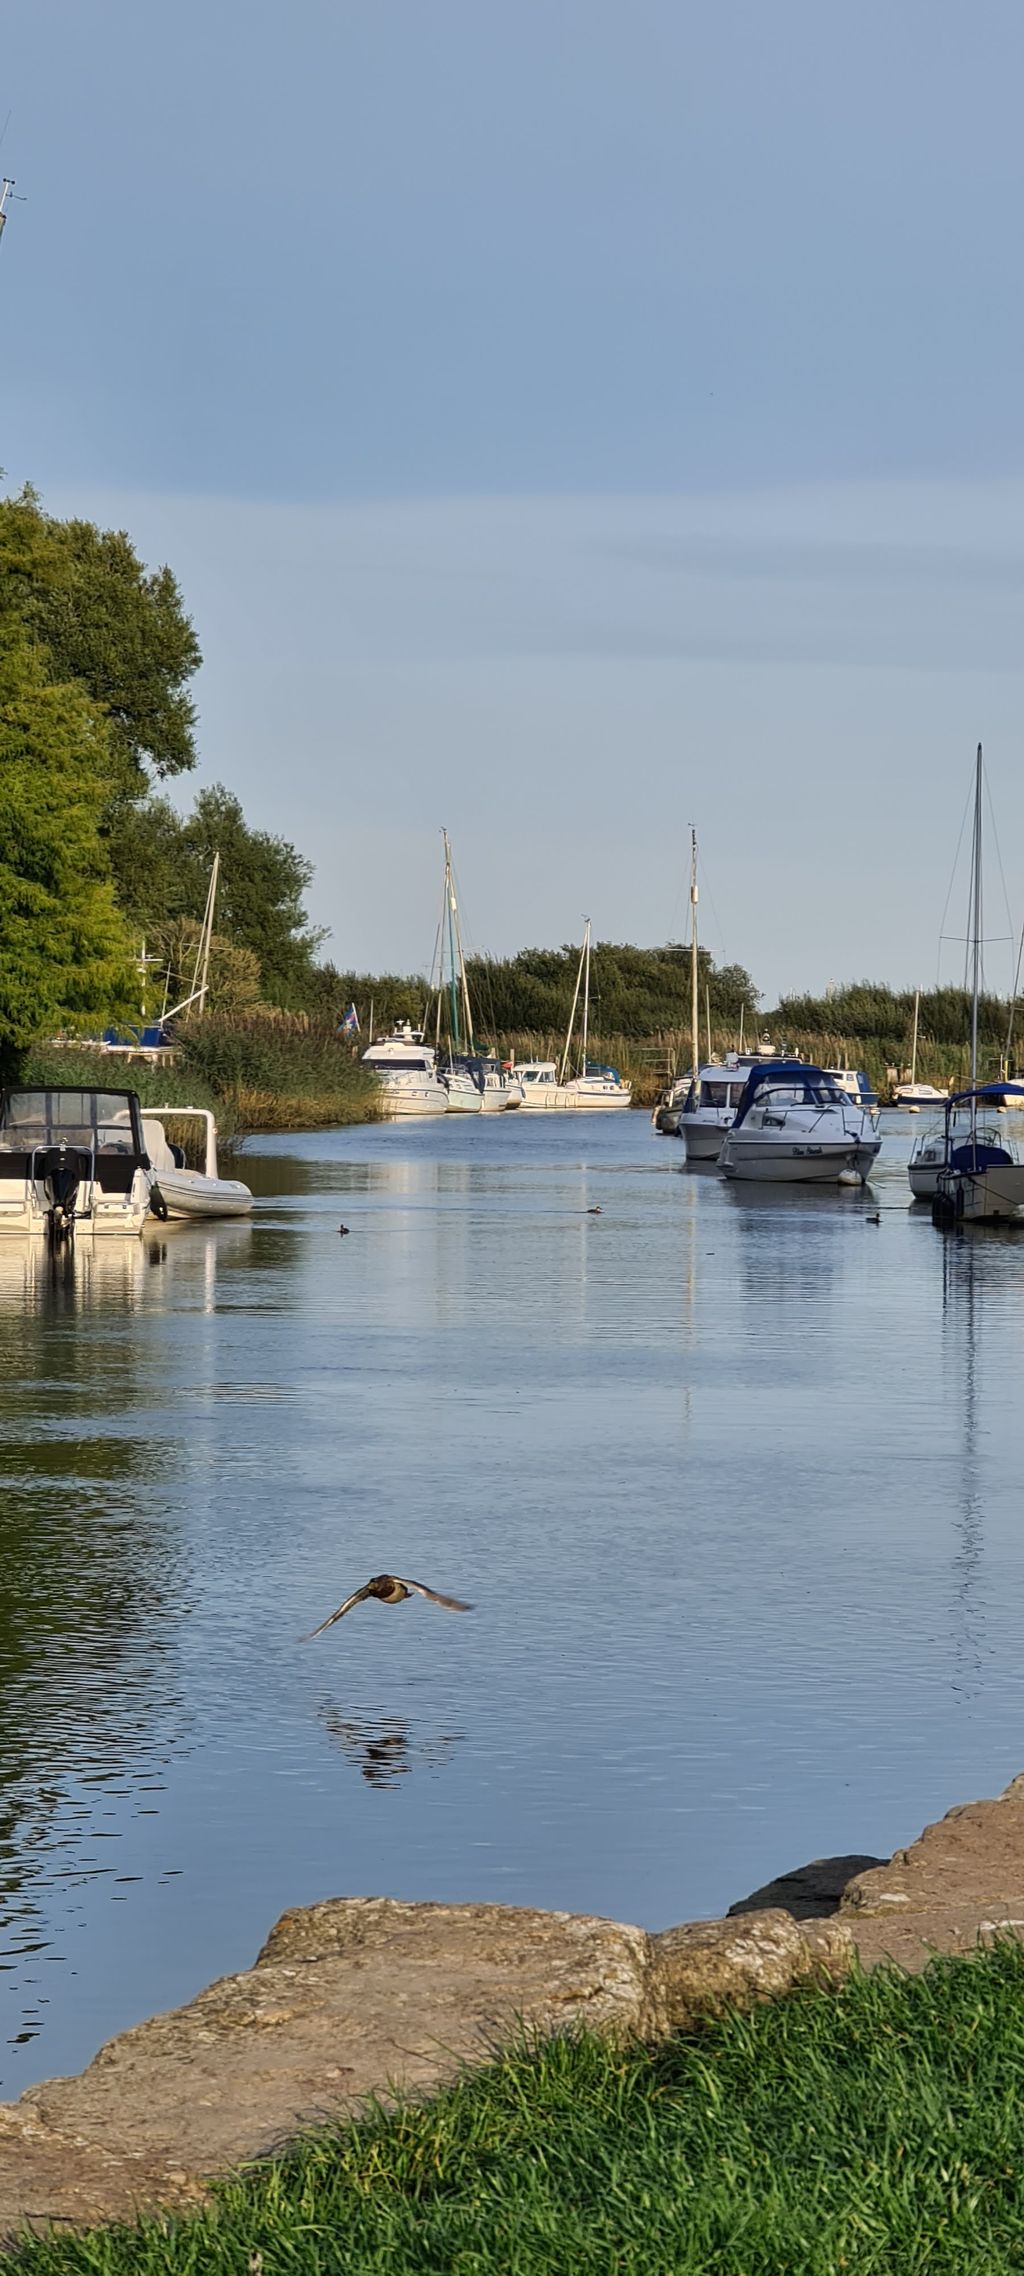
(277, 1070)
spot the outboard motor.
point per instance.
(62, 1169)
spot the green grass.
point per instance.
(879, 2131)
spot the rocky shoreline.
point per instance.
(369, 1996)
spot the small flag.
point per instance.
(350, 1023)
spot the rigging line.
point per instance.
(1010, 935)
(949, 889)
(3, 132)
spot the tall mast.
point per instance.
(460, 952)
(564, 1069)
(694, 1010)
(586, 996)
(913, 1046)
(449, 920)
(976, 918)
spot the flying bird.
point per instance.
(388, 1589)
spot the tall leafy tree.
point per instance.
(162, 863)
(65, 956)
(110, 623)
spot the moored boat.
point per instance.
(403, 1063)
(73, 1161)
(982, 1177)
(793, 1125)
(185, 1191)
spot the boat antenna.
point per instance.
(8, 193)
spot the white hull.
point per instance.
(703, 1135)
(105, 1214)
(463, 1094)
(918, 1094)
(785, 1161)
(500, 1098)
(188, 1194)
(397, 1099)
(589, 1098)
(541, 1095)
(989, 1194)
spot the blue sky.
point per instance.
(567, 421)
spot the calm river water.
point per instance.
(732, 1478)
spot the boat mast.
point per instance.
(975, 935)
(453, 908)
(564, 1069)
(694, 1012)
(586, 996)
(913, 1046)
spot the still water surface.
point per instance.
(732, 1478)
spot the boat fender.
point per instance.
(157, 1204)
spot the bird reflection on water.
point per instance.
(383, 1748)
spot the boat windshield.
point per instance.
(103, 1121)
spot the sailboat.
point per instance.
(982, 1177)
(592, 1086)
(914, 1094)
(476, 1081)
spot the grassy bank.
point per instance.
(259, 1071)
(878, 2131)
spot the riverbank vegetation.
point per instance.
(97, 658)
(871, 2130)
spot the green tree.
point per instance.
(65, 957)
(108, 622)
(162, 861)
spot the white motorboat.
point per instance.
(854, 1085)
(709, 1108)
(793, 1125)
(538, 1081)
(982, 1176)
(72, 1161)
(406, 1072)
(502, 1087)
(185, 1191)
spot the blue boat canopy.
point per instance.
(812, 1085)
(993, 1091)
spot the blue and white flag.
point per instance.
(350, 1023)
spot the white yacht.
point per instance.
(406, 1071)
(502, 1087)
(793, 1125)
(538, 1081)
(72, 1161)
(188, 1191)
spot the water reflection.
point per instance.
(383, 1748)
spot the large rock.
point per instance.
(960, 1884)
(355, 1997)
(809, 1892)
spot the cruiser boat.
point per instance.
(794, 1125)
(189, 1192)
(709, 1109)
(72, 1161)
(854, 1085)
(538, 1081)
(405, 1068)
